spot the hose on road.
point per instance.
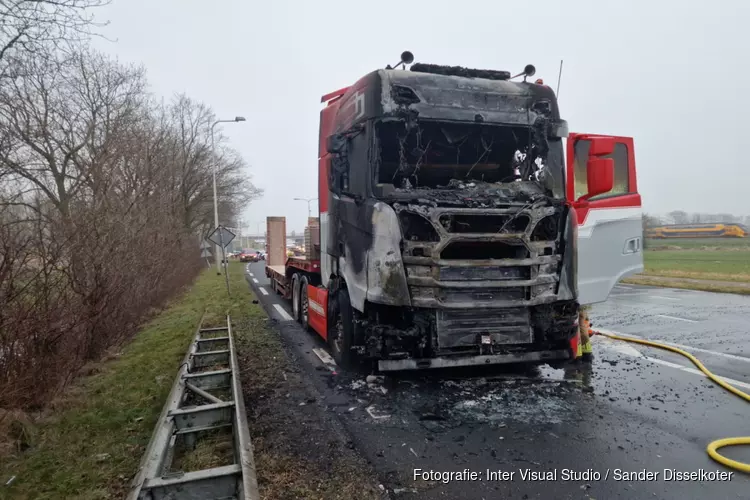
(719, 443)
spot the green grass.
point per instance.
(716, 262)
(693, 243)
(690, 284)
(90, 443)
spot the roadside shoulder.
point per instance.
(300, 449)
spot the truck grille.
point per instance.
(466, 258)
(474, 273)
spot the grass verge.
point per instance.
(88, 444)
(690, 284)
(696, 275)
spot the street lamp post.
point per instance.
(216, 201)
(308, 200)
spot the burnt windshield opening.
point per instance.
(433, 154)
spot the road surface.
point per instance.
(582, 433)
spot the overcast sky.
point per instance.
(668, 73)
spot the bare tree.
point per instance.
(60, 119)
(31, 25)
(680, 217)
(101, 188)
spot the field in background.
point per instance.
(722, 262)
(710, 264)
(679, 243)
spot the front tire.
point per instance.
(341, 336)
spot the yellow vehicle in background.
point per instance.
(711, 230)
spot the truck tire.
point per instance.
(295, 297)
(341, 336)
(304, 306)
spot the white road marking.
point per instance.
(663, 297)
(675, 317)
(255, 280)
(683, 346)
(612, 345)
(263, 291)
(284, 315)
(326, 358)
(251, 274)
(732, 381)
(623, 348)
(627, 287)
(625, 304)
(667, 363)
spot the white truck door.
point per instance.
(610, 230)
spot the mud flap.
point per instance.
(317, 298)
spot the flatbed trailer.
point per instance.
(281, 276)
(297, 279)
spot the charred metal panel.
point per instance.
(465, 328)
(386, 278)
(568, 288)
(447, 97)
(351, 238)
(360, 103)
(491, 273)
(483, 296)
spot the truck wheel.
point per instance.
(340, 337)
(295, 297)
(304, 305)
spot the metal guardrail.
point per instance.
(193, 410)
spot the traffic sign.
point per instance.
(205, 254)
(221, 236)
(205, 245)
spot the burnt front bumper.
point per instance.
(487, 360)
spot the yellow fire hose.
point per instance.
(719, 443)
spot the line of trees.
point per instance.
(682, 217)
(105, 192)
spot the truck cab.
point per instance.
(457, 227)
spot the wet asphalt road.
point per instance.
(637, 409)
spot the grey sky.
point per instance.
(668, 73)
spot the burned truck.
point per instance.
(446, 236)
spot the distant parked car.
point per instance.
(246, 257)
(257, 256)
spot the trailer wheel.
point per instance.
(304, 305)
(341, 336)
(295, 297)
